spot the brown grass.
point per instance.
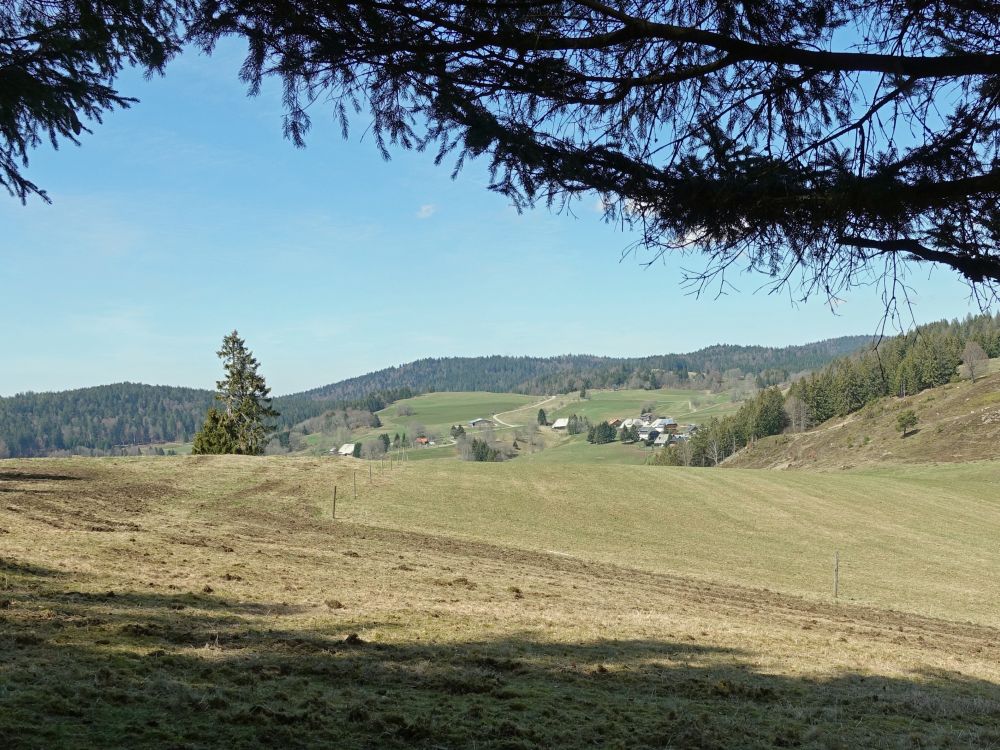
(109, 636)
(958, 423)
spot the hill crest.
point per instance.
(957, 423)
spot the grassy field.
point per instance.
(206, 601)
(684, 406)
(905, 537)
(437, 412)
(576, 450)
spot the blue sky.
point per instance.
(189, 215)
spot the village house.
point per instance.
(347, 449)
(665, 424)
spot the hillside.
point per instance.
(958, 422)
(212, 601)
(102, 417)
(545, 375)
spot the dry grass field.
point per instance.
(212, 601)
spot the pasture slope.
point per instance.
(958, 422)
(437, 412)
(212, 601)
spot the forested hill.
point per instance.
(105, 417)
(100, 418)
(545, 375)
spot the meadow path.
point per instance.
(496, 417)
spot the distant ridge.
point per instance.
(101, 418)
(539, 375)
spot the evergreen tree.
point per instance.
(601, 434)
(215, 436)
(357, 450)
(542, 419)
(482, 451)
(245, 403)
(385, 441)
(786, 119)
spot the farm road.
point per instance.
(496, 417)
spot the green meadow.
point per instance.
(692, 406)
(920, 538)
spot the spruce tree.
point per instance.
(240, 423)
(215, 436)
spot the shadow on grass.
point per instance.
(10, 566)
(133, 670)
(24, 476)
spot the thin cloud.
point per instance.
(427, 211)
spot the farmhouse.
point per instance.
(648, 433)
(421, 441)
(663, 439)
(561, 424)
(615, 422)
(480, 422)
(665, 425)
(347, 449)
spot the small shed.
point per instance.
(347, 449)
(561, 424)
(480, 422)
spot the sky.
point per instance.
(189, 215)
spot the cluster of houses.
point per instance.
(658, 430)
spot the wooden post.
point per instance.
(355, 485)
(369, 472)
(335, 501)
(836, 574)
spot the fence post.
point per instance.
(836, 574)
(334, 502)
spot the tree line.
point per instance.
(903, 365)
